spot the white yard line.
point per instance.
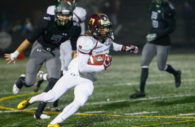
(140, 99)
(141, 113)
(187, 114)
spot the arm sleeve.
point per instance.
(76, 33)
(38, 30)
(117, 47)
(85, 67)
(169, 18)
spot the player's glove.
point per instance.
(107, 62)
(151, 37)
(130, 48)
(11, 57)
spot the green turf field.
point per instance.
(110, 106)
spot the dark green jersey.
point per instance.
(163, 22)
(51, 35)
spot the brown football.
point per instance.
(97, 59)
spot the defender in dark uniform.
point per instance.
(50, 33)
(162, 15)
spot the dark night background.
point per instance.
(133, 22)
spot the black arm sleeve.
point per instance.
(76, 33)
(169, 18)
(38, 30)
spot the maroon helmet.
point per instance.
(97, 23)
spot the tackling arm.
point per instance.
(11, 57)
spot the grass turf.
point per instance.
(110, 106)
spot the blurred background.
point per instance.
(130, 19)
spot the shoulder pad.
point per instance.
(85, 44)
(79, 14)
(51, 10)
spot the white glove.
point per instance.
(14, 55)
(151, 37)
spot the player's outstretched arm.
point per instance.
(130, 48)
(12, 56)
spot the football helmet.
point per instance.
(64, 12)
(100, 26)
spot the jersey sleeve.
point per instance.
(75, 34)
(38, 30)
(169, 18)
(85, 47)
(117, 47)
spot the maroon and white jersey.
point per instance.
(88, 46)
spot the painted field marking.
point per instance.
(108, 115)
(165, 123)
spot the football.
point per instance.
(98, 59)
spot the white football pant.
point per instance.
(83, 88)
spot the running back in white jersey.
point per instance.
(89, 46)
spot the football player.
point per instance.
(162, 14)
(52, 30)
(66, 53)
(81, 75)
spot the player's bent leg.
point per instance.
(39, 112)
(81, 92)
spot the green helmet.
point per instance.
(64, 12)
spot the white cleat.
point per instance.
(39, 81)
(43, 116)
(15, 89)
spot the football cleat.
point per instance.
(15, 88)
(23, 104)
(53, 125)
(42, 116)
(39, 81)
(177, 79)
(138, 94)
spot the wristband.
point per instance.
(14, 55)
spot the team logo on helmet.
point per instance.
(97, 23)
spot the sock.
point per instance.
(45, 77)
(40, 109)
(143, 78)
(55, 104)
(20, 82)
(171, 70)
